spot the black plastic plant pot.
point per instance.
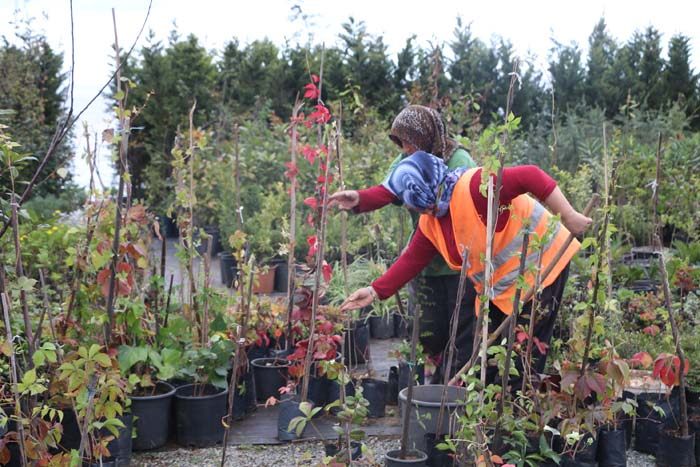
(288, 411)
(382, 327)
(103, 463)
(120, 447)
(244, 400)
(319, 391)
(357, 343)
(198, 417)
(675, 450)
(694, 426)
(332, 449)
(374, 390)
(414, 458)
(281, 275)
(573, 462)
(437, 457)
(229, 268)
(152, 417)
(649, 422)
(405, 374)
(611, 448)
(392, 389)
(270, 375)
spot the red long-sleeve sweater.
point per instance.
(420, 251)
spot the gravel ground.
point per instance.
(284, 455)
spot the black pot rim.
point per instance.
(671, 433)
(170, 393)
(394, 456)
(258, 362)
(373, 381)
(199, 398)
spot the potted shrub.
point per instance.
(200, 406)
(152, 397)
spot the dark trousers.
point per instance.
(437, 297)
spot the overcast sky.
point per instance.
(529, 25)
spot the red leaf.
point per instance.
(651, 330)
(311, 91)
(642, 359)
(327, 271)
(309, 153)
(521, 336)
(541, 346)
(291, 171)
(313, 245)
(314, 78)
(311, 202)
(321, 115)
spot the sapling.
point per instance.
(244, 305)
(682, 370)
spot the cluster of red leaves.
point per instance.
(521, 337)
(684, 279)
(667, 368)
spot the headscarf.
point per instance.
(423, 128)
(423, 182)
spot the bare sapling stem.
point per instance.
(317, 279)
(14, 378)
(240, 346)
(237, 169)
(511, 335)
(454, 324)
(19, 270)
(667, 297)
(406, 421)
(344, 270)
(527, 360)
(124, 130)
(291, 268)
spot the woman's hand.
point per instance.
(345, 199)
(576, 222)
(359, 299)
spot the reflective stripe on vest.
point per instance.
(470, 232)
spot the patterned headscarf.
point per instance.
(423, 182)
(423, 128)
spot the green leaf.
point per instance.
(103, 360)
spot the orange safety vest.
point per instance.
(470, 233)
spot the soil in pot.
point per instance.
(405, 374)
(426, 408)
(198, 414)
(270, 375)
(357, 343)
(382, 327)
(437, 457)
(611, 448)
(288, 410)
(374, 390)
(414, 458)
(152, 416)
(675, 450)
